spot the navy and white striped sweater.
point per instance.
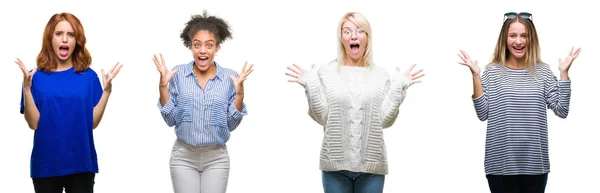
(514, 103)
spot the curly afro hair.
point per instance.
(215, 25)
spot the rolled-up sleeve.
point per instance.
(169, 110)
(234, 117)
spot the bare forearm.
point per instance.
(238, 101)
(164, 95)
(99, 108)
(31, 113)
(564, 76)
(477, 88)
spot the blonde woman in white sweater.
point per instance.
(354, 100)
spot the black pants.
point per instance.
(517, 183)
(74, 183)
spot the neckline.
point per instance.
(66, 70)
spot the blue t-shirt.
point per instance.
(63, 142)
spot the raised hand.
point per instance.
(165, 74)
(239, 81)
(27, 76)
(413, 76)
(108, 77)
(296, 72)
(466, 60)
(565, 64)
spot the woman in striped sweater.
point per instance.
(512, 95)
(353, 100)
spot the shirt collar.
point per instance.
(188, 70)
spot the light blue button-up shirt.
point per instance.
(202, 116)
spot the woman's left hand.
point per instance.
(239, 81)
(108, 77)
(565, 64)
(413, 76)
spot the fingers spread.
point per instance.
(244, 67)
(411, 68)
(417, 72)
(298, 67)
(571, 51)
(21, 66)
(117, 70)
(291, 75)
(466, 55)
(418, 76)
(293, 70)
(462, 57)
(113, 67)
(248, 72)
(577, 52)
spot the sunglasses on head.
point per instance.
(513, 15)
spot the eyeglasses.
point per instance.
(357, 32)
(513, 15)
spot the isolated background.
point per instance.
(436, 145)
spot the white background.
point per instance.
(436, 145)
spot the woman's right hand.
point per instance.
(296, 72)
(27, 76)
(165, 74)
(466, 60)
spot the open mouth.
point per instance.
(519, 49)
(202, 58)
(354, 47)
(63, 50)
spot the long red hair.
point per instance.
(47, 60)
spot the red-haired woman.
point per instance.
(63, 103)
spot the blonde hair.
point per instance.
(532, 56)
(361, 21)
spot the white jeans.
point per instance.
(202, 169)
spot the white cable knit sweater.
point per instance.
(354, 104)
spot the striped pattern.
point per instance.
(514, 104)
(353, 105)
(202, 116)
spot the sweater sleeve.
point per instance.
(394, 94)
(558, 95)
(314, 90)
(481, 102)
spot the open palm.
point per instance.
(467, 61)
(238, 82)
(161, 66)
(413, 76)
(565, 65)
(296, 71)
(27, 76)
(108, 77)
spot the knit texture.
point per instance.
(354, 105)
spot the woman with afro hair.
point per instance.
(204, 101)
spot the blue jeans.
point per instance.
(352, 182)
